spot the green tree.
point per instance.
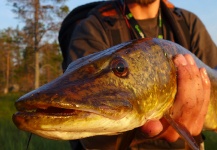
(50, 62)
(11, 58)
(41, 21)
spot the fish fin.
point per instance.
(183, 132)
(124, 140)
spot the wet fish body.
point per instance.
(109, 92)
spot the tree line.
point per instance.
(30, 55)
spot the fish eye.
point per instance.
(119, 67)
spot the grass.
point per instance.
(13, 139)
(210, 140)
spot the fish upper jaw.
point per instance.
(109, 103)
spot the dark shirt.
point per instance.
(90, 37)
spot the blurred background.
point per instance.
(20, 73)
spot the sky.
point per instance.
(204, 9)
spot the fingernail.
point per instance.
(205, 72)
(190, 59)
(204, 75)
(180, 60)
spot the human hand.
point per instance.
(191, 102)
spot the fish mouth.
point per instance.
(50, 111)
(66, 124)
(57, 111)
(55, 116)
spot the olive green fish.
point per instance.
(109, 92)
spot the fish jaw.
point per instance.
(60, 107)
(73, 126)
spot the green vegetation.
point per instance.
(210, 140)
(12, 138)
(31, 51)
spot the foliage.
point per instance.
(49, 13)
(49, 68)
(10, 50)
(32, 55)
(21, 61)
(42, 20)
(210, 140)
(18, 49)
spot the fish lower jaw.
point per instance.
(74, 127)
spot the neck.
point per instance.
(141, 12)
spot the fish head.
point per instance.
(104, 93)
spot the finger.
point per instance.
(152, 128)
(170, 135)
(189, 97)
(186, 99)
(206, 90)
(197, 84)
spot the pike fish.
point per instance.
(109, 92)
